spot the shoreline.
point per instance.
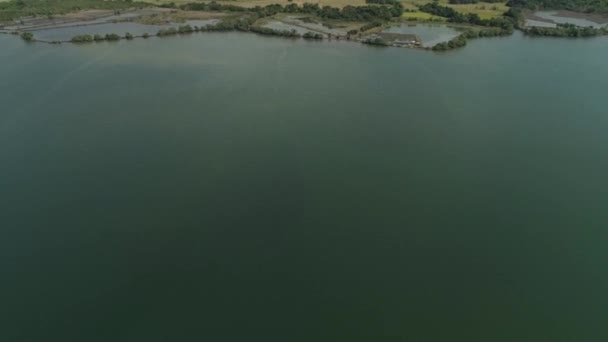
(296, 25)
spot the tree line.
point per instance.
(505, 23)
(392, 9)
(599, 6)
(88, 38)
(565, 30)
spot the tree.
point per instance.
(27, 36)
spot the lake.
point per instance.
(235, 187)
(430, 34)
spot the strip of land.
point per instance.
(365, 21)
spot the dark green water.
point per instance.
(230, 187)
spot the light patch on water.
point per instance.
(281, 26)
(552, 18)
(430, 35)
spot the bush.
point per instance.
(311, 35)
(83, 38)
(27, 36)
(369, 26)
(167, 32)
(376, 41)
(112, 37)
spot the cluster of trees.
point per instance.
(369, 26)
(490, 32)
(184, 29)
(87, 38)
(600, 6)
(505, 23)
(27, 36)
(312, 35)
(83, 38)
(565, 30)
(240, 24)
(461, 40)
(376, 41)
(454, 43)
(349, 13)
(272, 32)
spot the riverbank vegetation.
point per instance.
(586, 6)
(27, 36)
(565, 30)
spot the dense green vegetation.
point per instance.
(370, 26)
(112, 37)
(15, 9)
(506, 23)
(87, 38)
(272, 32)
(455, 43)
(312, 35)
(83, 38)
(27, 36)
(348, 13)
(574, 5)
(565, 30)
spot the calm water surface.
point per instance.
(429, 34)
(232, 187)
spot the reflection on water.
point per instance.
(428, 33)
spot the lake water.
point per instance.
(66, 33)
(429, 34)
(554, 17)
(281, 26)
(234, 187)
